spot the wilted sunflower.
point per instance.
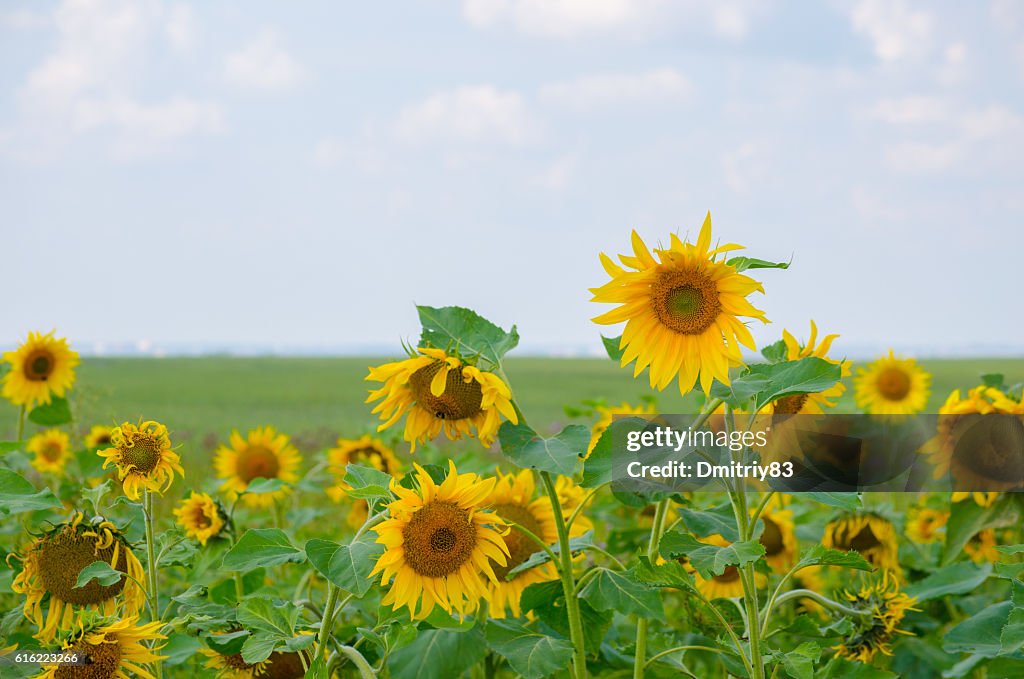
(98, 436)
(981, 547)
(51, 564)
(867, 533)
(143, 457)
(810, 403)
(41, 368)
(440, 392)
(681, 310)
(201, 517)
(778, 538)
(925, 525)
(513, 499)
(112, 648)
(439, 544)
(365, 451)
(263, 453)
(881, 596)
(892, 386)
(608, 415)
(51, 450)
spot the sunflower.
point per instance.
(727, 585)
(439, 544)
(881, 596)
(232, 666)
(143, 457)
(981, 547)
(366, 451)
(51, 450)
(263, 453)
(778, 538)
(98, 436)
(51, 564)
(986, 499)
(440, 392)
(804, 404)
(513, 499)
(925, 525)
(41, 368)
(112, 649)
(681, 311)
(608, 415)
(892, 386)
(867, 533)
(201, 517)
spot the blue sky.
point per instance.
(265, 175)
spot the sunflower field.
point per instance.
(452, 536)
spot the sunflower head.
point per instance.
(778, 538)
(51, 450)
(981, 548)
(803, 404)
(201, 517)
(870, 534)
(262, 453)
(926, 525)
(881, 598)
(41, 368)
(682, 310)
(98, 436)
(440, 392)
(892, 386)
(143, 457)
(981, 499)
(607, 415)
(366, 451)
(729, 583)
(112, 648)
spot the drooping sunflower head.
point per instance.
(879, 596)
(870, 534)
(263, 453)
(201, 517)
(892, 386)
(926, 524)
(98, 436)
(607, 415)
(682, 310)
(51, 450)
(803, 404)
(778, 538)
(440, 392)
(143, 457)
(112, 648)
(981, 548)
(51, 564)
(439, 544)
(41, 368)
(366, 451)
(232, 665)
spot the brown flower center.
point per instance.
(685, 301)
(460, 400)
(39, 365)
(771, 538)
(283, 666)
(893, 384)
(199, 517)
(51, 451)
(520, 547)
(369, 455)
(64, 554)
(790, 405)
(142, 455)
(101, 661)
(730, 574)
(257, 461)
(438, 539)
(864, 540)
(236, 662)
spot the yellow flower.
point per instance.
(682, 311)
(51, 564)
(986, 499)
(41, 368)
(98, 436)
(867, 533)
(925, 525)
(280, 665)
(881, 596)
(263, 453)
(143, 457)
(513, 499)
(779, 538)
(727, 585)
(365, 451)
(51, 450)
(113, 648)
(892, 386)
(201, 517)
(439, 545)
(439, 392)
(982, 547)
(608, 415)
(804, 404)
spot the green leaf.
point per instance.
(347, 566)
(18, 495)
(744, 263)
(261, 547)
(531, 654)
(845, 501)
(775, 352)
(262, 486)
(179, 649)
(799, 663)
(464, 331)
(840, 668)
(597, 469)
(576, 544)
(958, 578)
(229, 643)
(547, 600)
(52, 414)
(561, 454)
(438, 654)
(367, 483)
(317, 669)
(10, 446)
(808, 375)
(258, 647)
(671, 574)
(981, 633)
(720, 520)
(819, 555)
(1010, 549)
(966, 519)
(996, 380)
(101, 572)
(709, 560)
(270, 622)
(611, 345)
(1011, 638)
(611, 591)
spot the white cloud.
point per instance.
(23, 20)
(895, 30)
(467, 114)
(911, 110)
(991, 122)
(558, 175)
(592, 91)
(262, 65)
(743, 166)
(919, 157)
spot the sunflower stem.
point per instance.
(834, 606)
(327, 620)
(640, 660)
(153, 594)
(572, 604)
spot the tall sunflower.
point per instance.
(608, 415)
(778, 538)
(51, 564)
(366, 451)
(814, 404)
(881, 596)
(437, 391)
(682, 310)
(263, 453)
(440, 544)
(112, 649)
(892, 386)
(925, 525)
(98, 436)
(869, 534)
(143, 457)
(514, 500)
(41, 368)
(201, 517)
(51, 450)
